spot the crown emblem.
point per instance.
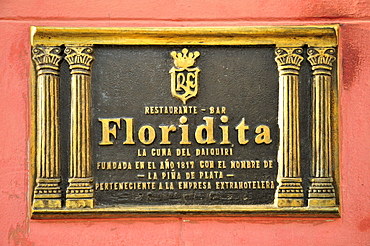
(184, 79)
(185, 59)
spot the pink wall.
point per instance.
(353, 228)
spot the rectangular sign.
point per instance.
(184, 120)
(174, 125)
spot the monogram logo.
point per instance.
(184, 79)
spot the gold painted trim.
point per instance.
(80, 192)
(191, 210)
(279, 36)
(290, 191)
(283, 36)
(321, 192)
(47, 193)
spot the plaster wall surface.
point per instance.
(352, 228)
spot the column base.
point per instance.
(317, 202)
(80, 193)
(290, 202)
(47, 203)
(321, 193)
(47, 193)
(80, 203)
(289, 193)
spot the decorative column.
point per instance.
(290, 191)
(47, 193)
(80, 193)
(321, 191)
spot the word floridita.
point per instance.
(204, 133)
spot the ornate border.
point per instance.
(47, 43)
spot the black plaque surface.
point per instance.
(242, 79)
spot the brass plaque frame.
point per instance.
(47, 43)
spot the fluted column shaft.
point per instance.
(321, 191)
(47, 193)
(290, 191)
(80, 192)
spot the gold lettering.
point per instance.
(223, 110)
(150, 134)
(195, 110)
(141, 152)
(263, 135)
(225, 130)
(129, 131)
(184, 130)
(185, 109)
(106, 131)
(207, 129)
(206, 164)
(242, 128)
(166, 132)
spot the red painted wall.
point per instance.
(353, 228)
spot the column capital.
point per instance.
(321, 59)
(289, 60)
(47, 59)
(79, 58)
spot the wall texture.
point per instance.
(16, 227)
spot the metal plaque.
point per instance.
(160, 121)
